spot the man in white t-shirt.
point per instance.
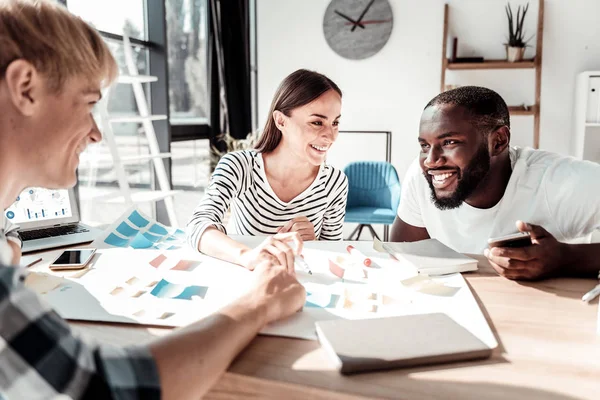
(469, 185)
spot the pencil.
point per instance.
(300, 261)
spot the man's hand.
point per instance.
(276, 250)
(302, 225)
(276, 291)
(540, 260)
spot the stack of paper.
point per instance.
(430, 256)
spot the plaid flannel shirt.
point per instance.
(40, 358)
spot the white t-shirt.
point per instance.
(559, 193)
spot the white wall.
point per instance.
(389, 90)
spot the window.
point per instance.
(113, 16)
(184, 24)
(121, 98)
(97, 177)
(187, 31)
(143, 21)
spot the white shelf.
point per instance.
(144, 157)
(586, 114)
(129, 79)
(139, 196)
(106, 160)
(136, 118)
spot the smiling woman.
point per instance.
(283, 187)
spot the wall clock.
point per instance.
(357, 29)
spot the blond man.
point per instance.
(52, 69)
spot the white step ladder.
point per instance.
(127, 195)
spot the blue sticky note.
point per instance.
(114, 240)
(138, 220)
(126, 230)
(179, 233)
(151, 237)
(167, 290)
(321, 300)
(159, 230)
(140, 242)
(191, 291)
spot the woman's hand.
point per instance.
(279, 249)
(302, 226)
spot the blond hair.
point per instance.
(57, 43)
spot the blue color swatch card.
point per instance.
(136, 230)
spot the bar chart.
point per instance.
(35, 204)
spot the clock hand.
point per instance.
(371, 22)
(363, 14)
(349, 19)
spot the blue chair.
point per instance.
(373, 196)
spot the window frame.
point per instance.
(193, 131)
(156, 45)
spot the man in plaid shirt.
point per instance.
(52, 69)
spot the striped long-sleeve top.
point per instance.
(240, 181)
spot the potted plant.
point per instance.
(515, 47)
(224, 143)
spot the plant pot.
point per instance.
(514, 54)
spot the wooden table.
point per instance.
(548, 350)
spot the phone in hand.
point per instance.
(519, 239)
(73, 259)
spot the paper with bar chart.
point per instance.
(177, 287)
(136, 230)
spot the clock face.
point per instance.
(357, 29)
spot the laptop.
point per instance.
(49, 218)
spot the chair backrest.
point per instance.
(373, 184)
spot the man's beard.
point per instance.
(468, 180)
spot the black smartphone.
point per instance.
(73, 259)
(519, 239)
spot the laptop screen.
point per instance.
(41, 207)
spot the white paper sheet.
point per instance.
(119, 288)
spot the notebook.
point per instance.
(431, 257)
(49, 218)
(398, 342)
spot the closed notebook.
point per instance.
(398, 342)
(431, 257)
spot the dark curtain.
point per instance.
(230, 28)
(214, 117)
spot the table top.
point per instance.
(548, 349)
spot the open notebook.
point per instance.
(397, 342)
(430, 256)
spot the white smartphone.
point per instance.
(73, 259)
(519, 239)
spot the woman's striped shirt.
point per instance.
(240, 181)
